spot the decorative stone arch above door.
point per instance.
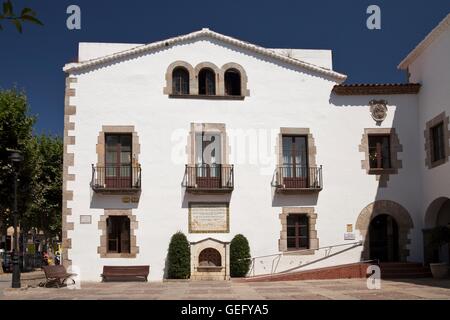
(395, 210)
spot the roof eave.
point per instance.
(338, 77)
(417, 51)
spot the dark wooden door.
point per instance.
(295, 171)
(383, 239)
(118, 172)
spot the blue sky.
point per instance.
(33, 61)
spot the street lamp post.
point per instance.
(15, 157)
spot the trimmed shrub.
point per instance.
(239, 249)
(179, 257)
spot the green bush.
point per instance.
(179, 257)
(239, 249)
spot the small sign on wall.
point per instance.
(84, 219)
(349, 236)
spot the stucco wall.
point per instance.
(131, 93)
(432, 69)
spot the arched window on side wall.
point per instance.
(232, 82)
(180, 81)
(206, 82)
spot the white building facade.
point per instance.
(214, 137)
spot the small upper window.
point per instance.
(379, 152)
(437, 142)
(206, 82)
(180, 81)
(232, 82)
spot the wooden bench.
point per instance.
(125, 272)
(57, 274)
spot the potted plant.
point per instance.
(439, 236)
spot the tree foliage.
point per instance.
(239, 256)
(39, 175)
(26, 15)
(179, 257)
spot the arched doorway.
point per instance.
(403, 222)
(438, 214)
(383, 235)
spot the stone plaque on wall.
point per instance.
(84, 219)
(209, 218)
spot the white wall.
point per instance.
(131, 93)
(432, 70)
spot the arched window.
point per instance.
(210, 257)
(232, 82)
(206, 82)
(180, 81)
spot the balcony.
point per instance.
(297, 179)
(116, 179)
(204, 178)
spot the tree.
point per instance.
(40, 174)
(46, 206)
(179, 257)
(15, 133)
(239, 256)
(26, 15)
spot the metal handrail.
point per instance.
(214, 176)
(101, 180)
(297, 177)
(277, 256)
(304, 250)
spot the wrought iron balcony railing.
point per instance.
(116, 178)
(209, 178)
(290, 178)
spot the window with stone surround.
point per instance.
(379, 152)
(232, 82)
(180, 81)
(381, 147)
(118, 233)
(298, 233)
(206, 82)
(437, 141)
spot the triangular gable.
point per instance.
(71, 67)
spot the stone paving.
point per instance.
(345, 289)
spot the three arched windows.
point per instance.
(207, 80)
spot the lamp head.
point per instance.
(15, 156)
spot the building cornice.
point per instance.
(375, 89)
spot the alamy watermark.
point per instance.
(374, 277)
(73, 21)
(374, 20)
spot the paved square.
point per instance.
(345, 289)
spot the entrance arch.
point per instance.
(383, 238)
(437, 214)
(403, 222)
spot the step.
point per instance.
(395, 270)
(400, 264)
(406, 275)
